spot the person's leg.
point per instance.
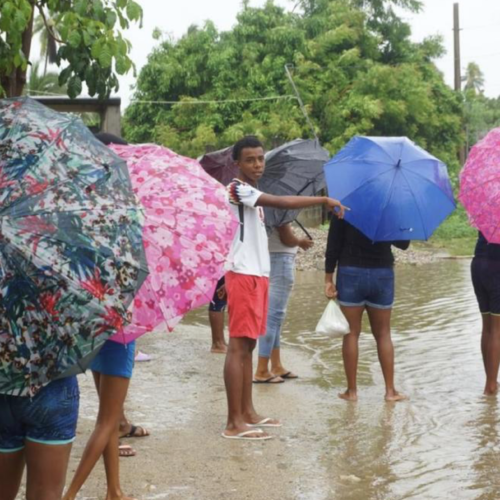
(112, 393)
(493, 357)
(354, 316)
(380, 323)
(11, 473)
(216, 319)
(485, 338)
(46, 467)
(280, 286)
(285, 289)
(235, 379)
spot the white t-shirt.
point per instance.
(249, 252)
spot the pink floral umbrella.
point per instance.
(480, 186)
(187, 234)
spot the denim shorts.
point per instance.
(217, 304)
(49, 417)
(360, 286)
(115, 359)
(486, 283)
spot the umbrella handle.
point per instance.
(303, 229)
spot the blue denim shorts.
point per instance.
(115, 359)
(217, 304)
(50, 417)
(360, 286)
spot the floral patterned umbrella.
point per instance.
(70, 245)
(480, 186)
(187, 234)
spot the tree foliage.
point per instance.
(354, 64)
(91, 46)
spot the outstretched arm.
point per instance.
(297, 202)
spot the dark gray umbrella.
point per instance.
(295, 168)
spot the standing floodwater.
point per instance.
(443, 443)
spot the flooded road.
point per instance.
(444, 443)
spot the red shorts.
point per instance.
(247, 300)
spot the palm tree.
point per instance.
(46, 29)
(47, 83)
(474, 78)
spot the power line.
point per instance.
(222, 101)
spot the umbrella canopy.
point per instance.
(220, 165)
(480, 186)
(70, 245)
(395, 189)
(293, 169)
(188, 231)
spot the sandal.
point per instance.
(136, 431)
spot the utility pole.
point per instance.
(456, 39)
(458, 68)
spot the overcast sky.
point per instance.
(480, 37)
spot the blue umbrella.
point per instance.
(395, 189)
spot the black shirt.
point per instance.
(485, 250)
(347, 246)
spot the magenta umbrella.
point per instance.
(187, 235)
(480, 186)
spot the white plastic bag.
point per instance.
(333, 321)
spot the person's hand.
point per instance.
(221, 292)
(331, 290)
(306, 244)
(336, 207)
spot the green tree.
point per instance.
(354, 75)
(42, 83)
(91, 46)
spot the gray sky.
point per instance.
(480, 37)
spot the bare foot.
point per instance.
(490, 392)
(348, 395)
(124, 450)
(119, 496)
(395, 396)
(218, 349)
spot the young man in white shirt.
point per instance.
(247, 283)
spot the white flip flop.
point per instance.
(245, 435)
(265, 422)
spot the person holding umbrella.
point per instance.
(401, 193)
(247, 281)
(365, 281)
(479, 188)
(70, 252)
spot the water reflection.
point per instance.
(444, 443)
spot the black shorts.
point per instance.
(218, 304)
(486, 281)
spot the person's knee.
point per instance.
(382, 335)
(354, 333)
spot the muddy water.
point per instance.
(445, 442)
